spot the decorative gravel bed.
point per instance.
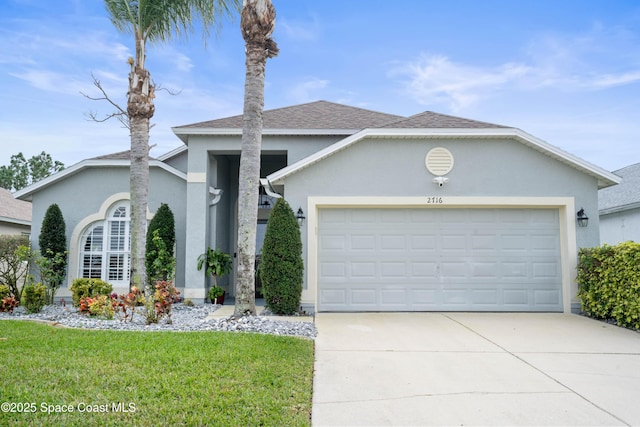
(184, 319)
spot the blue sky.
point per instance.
(566, 71)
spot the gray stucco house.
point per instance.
(421, 213)
(15, 215)
(620, 208)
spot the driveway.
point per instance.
(474, 369)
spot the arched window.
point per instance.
(105, 247)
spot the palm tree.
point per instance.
(152, 21)
(258, 19)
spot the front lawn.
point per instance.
(118, 378)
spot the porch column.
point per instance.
(196, 220)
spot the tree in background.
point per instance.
(151, 21)
(22, 172)
(161, 240)
(53, 248)
(258, 20)
(282, 268)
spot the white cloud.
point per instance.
(53, 82)
(299, 30)
(436, 79)
(596, 60)
(302, 92)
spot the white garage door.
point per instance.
(439, 260)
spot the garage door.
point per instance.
(439, 260)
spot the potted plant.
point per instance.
(216, 263)
(216, 295)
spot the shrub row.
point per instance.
(609, 283)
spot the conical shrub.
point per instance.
(281, 268)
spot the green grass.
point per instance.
(170, 378)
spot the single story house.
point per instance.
(619, 208)
(422, 213)
(15, 215)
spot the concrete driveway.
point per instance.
(474, 369)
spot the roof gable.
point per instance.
(605, 178)
(12, 208)
(98, 162)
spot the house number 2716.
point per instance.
(434, 200)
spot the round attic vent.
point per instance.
(439, 161)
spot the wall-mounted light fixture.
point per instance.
(583, 219)
(300, 217)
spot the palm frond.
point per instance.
(162, 20)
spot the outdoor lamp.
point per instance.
(583, 219)
(300, 217)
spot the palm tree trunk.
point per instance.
(257, 22)
(140, 109)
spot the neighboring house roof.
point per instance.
(624, 196)
(13, 210)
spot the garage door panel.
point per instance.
(439, 259)
(423, 242)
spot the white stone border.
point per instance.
(565, 206)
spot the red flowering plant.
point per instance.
(125, 304)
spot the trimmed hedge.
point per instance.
(281, 266)
(609, 283)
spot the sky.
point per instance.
(565, 71)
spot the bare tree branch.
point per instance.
(120, 113)
(169, 91)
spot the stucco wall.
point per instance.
(7, 228)
(620, 227)
(82, 195)
(499, 167)
(482, 168)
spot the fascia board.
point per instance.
(617, 209)
(184, 132)
(15, 221)
(27, 192)
(604, 177)
(172, 153)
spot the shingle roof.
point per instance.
(429, 119)
(120, 155)
(627, 193)
(12, 208)
(329, 115)
(314, 115)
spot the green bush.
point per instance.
(84, 287)
(35, 297)
(4, 291)
(161, 239)
(609, 283)
(102, 306)
(53, 247)
(281, 266)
